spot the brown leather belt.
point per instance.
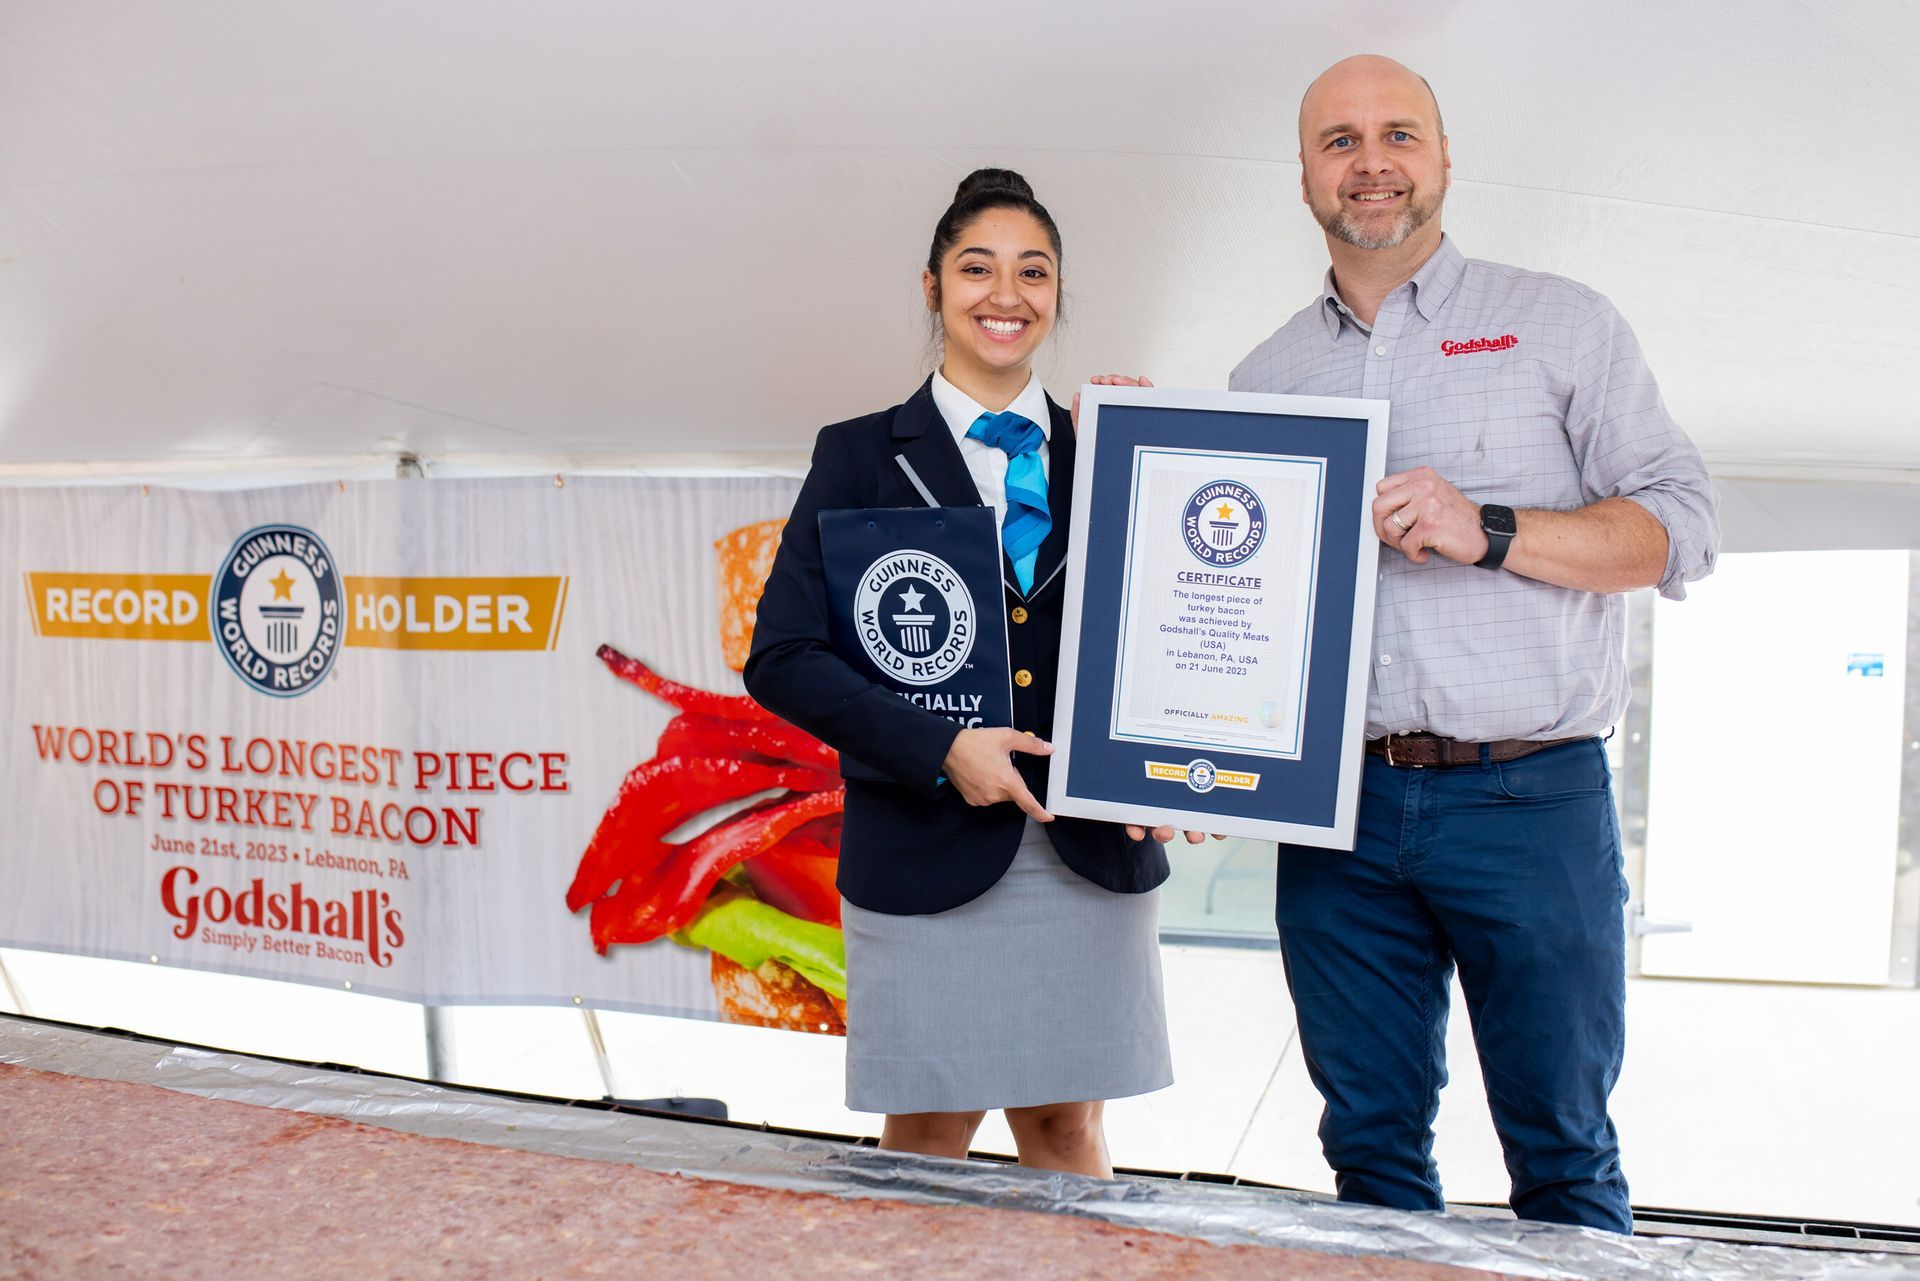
(1430, 751)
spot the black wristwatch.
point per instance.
(1498, 524)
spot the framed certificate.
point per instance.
(1219, 612)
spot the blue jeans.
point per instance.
(1512, 872)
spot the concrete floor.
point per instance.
(1748, 1098)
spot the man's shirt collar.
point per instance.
(1437, 277)
(1432, 284)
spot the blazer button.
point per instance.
(1023, 678)
(1019, 614)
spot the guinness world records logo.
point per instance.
(276, 609)
(915, 617)
(1224, 523)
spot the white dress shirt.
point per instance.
(986, 463)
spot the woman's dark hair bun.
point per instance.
(982, 181)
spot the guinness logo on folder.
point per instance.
(915, 603)
(915, 617)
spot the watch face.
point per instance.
(1498, 520)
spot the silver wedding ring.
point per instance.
(1399, 524)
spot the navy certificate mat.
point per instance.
(914, 603)
(1309, 797)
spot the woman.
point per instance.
(996, 956)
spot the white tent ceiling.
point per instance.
(247, 234)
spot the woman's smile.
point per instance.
(1006, 329)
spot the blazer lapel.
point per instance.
(921, 436)
(1053, 552)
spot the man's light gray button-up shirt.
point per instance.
(1524, 389)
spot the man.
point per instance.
(1534, 476)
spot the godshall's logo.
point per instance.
(276, 609)
(1504, 342)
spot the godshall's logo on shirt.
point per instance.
(1502, 343)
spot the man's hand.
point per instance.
(1109, 380)
(980, 769)
(1418, 512)
(1614, 545)
(1163, 834)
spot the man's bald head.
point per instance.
(1364, 73)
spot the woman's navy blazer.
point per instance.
(914, 845)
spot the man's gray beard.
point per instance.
(1343, 226)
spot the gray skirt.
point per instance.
(1045, 989)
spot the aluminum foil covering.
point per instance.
(1221, 1213)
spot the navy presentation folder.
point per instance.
(914, 601)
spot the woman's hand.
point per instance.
(980, 768)
(1108, 380)
(1163, 834)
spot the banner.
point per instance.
(446, 741)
